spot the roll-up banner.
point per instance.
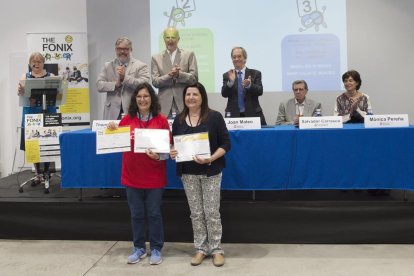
(66, 55)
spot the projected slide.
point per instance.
(286, 39)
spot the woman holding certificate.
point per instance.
(144, 175)
(201, 176)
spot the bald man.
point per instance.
(171, 71)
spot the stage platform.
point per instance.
(294, 216)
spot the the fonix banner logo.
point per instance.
(53, 49)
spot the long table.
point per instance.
(278, 158)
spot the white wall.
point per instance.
(18, 18)
(380, 39)
(380, 35)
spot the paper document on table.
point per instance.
(189, 145)
(156, 140)
(110, 141)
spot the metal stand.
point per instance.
(33, 183)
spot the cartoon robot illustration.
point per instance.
(57, 56)
(67, 56)
(48, 56)
(310, 15)
(180, 12)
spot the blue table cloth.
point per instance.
(276, 158)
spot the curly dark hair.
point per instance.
(204, 103)
(355, 75)
(155, 105)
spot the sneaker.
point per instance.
(197, 258)
(156, 257)
(218, 259)
(137, 255)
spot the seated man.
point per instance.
(300, 105)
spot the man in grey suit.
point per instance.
(300, 105)
(171, 71)
(119, 78)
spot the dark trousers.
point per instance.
(146, 204)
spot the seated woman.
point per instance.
(352, 105)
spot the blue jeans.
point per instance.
(146, 203)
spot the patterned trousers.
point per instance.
(203, 195)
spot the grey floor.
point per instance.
(18, 257)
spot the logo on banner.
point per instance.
(55, 50)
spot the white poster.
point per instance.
(66, 55)
(42, 137)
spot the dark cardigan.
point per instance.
(218, 136)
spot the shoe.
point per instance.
(156, 257)
(137, 255)
(218, 259)
(197, 258)
(46, 177)
(38, 180)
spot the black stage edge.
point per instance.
(309, 216)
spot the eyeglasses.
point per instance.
(122, 49)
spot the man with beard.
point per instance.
(171, 71)
(119, 78)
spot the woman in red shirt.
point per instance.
(144, 175)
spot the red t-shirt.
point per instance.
(138, 170)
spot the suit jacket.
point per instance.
(136, 73)
(287, 111)
(251, 95)
(168, 88)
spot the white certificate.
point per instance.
(156, 140)
(189, 145)
(110, 141)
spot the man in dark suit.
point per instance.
(242, 87)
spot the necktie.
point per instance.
(240, 91)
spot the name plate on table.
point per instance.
(243, 123)
(320, 122)
(390, 120)
(101, 124)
